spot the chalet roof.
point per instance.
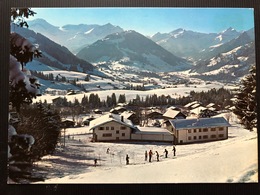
(191, 103)
(181, 124)
(198, 110)
(127, 114)
(108, 118)
(210, 105)
(195, 106)
(171, 113)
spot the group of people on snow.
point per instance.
(150, 154)
(147, 154)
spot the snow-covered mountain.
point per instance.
(230, 65)
(196, 45)
(132, 49)
(53, 54)
(74, 37)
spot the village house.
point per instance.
(173, 114)
(198, 130)
(111, 127)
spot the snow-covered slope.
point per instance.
(74, 37)
(227, 66)
(132, 49)
(195, 45)
(228, 161)
(54, 54)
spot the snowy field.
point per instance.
(180, 91)
(228, 161)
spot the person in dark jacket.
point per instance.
(166, 153)
(145, 155)
(157, 155)
(174, 150)
(150, 155)
(127, 159)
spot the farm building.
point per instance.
(198, 130)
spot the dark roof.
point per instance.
(199, 123)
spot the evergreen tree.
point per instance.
(121, 98)
(245, 101)
(113, 99)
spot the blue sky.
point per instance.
(149, 21)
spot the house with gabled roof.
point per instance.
(173, 114)
(111, 127)
(198, 130)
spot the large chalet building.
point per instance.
(198, 130)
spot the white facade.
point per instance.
(111, 131)
(198, 130)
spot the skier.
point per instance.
(107, 150)
(174, 150)
(166, 153)
(157, 155)
(127, 159)
(95, 162)
(145, 154)
(150, 155)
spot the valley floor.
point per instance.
(228, 161)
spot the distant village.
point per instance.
(191, 123)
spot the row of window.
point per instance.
(110, 134)
(111, 128)
(206, 137)
(205, 130)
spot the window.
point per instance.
(189, 131)
(221, 128)
(112, 128)
(195, 130)
(213, 136)
(189, 138)
(107, 128)
(101, 128)
(122, 127)
(123, 134)
(205, 137)
(213, 129)
(107, 135)
(117, 132)
(221, 135)
(195, 137)
(199, 130)
(205, 130)
(199, 137)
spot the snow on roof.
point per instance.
(198, 110)
(171, 113)
(108, 118)
(195, 105)
(199, 123)
(151, 130)
(127, 114)
(191, 103)
(210, 105)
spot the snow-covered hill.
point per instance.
(196, 45)
(132, 49)
(227, 66)
(74, 37)
(53, 54)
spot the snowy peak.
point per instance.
(74, 37)
(132, 49)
